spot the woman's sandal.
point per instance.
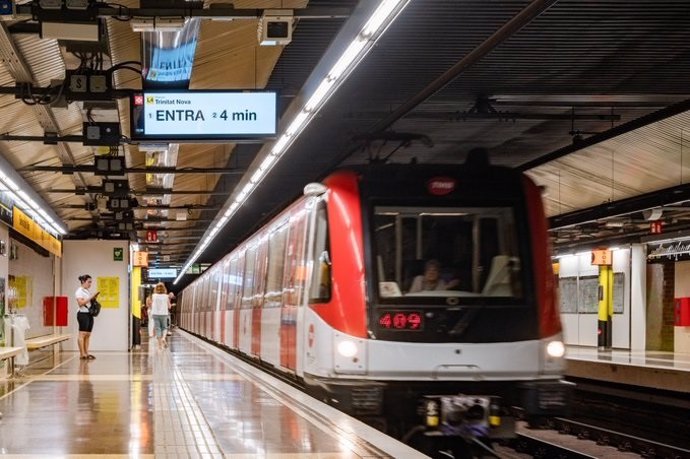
(90, 357)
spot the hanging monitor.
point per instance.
(196, 116)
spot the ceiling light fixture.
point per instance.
(378, 20)
(21, 198)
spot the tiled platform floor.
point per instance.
(188, 401)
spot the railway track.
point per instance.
(558, 438)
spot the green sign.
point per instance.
(118, 253)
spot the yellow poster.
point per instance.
(110, 291)
(22, 290)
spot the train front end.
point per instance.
(443, 309)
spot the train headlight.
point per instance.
(555, 349)
(349, 354)
(347, 348)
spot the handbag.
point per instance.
(95, 308)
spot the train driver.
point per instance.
(431, 279)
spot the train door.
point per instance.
(230, 310)
(271, 316)
(237, 304)
(293, 288)
(198, 314)
(196, 291)
(258, 294)
(245, 319)
(223, 303)
(205, 305)
(216, 293)
(187, 298)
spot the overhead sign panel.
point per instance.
(202, 115)
(162, 273)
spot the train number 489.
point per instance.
(401, 320)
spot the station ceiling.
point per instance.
(589, 98)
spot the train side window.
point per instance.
(248, 285)
(320, 291)
(238, 278)
(206, 293)
(276, 267)
(224, 275)
(260, 272)
(295, 263)
(216, 278)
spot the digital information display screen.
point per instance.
(162, 273)
(401, 320)
(202, 115)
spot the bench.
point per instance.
(33, 344)
(9, 353)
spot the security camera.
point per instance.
(275, 27)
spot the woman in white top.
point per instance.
(84, 317)
(160, 309)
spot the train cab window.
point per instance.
(320, 290)
(446, 252)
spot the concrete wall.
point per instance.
(112, 328)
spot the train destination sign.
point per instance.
(202, 115)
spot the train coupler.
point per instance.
(467, 416)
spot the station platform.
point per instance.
(190, 400)
(653, 369)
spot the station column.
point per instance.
(604, 259)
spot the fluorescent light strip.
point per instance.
(297, 123)
(377, 19)
(280, 145)
(321, 92)
(353, 54)
(29, 205)
(348, 57)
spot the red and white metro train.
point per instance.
(324, 294)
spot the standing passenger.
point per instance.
(149, 317)
(160, 310)
(84, 317)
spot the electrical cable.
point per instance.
(120, 16)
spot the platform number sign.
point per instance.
(118, 254)
(602, 257)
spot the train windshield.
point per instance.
(446, 252)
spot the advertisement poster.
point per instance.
(21, 286)
(110, 291)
